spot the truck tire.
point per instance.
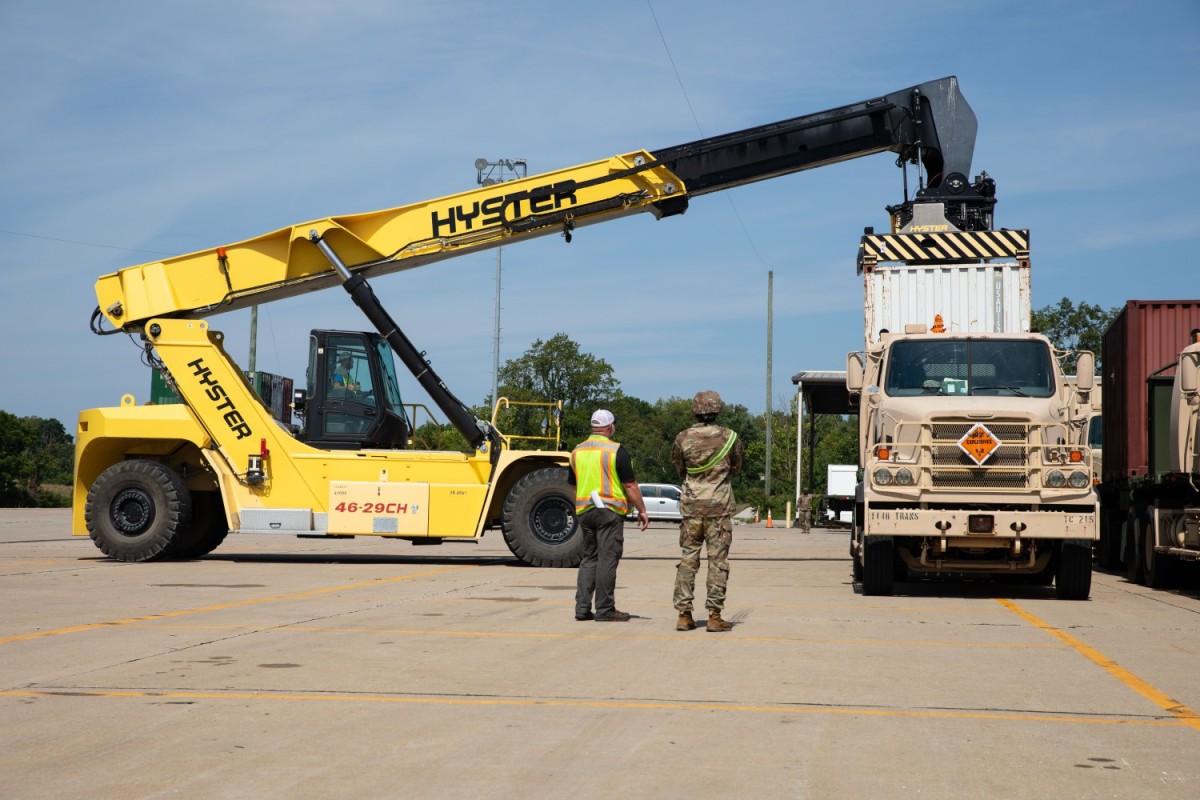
(1133, 546)
(879, 571)
(1073, 572)
(1157, 568)
(135, 508)
(538, 520)
(207, 531)
(1108, 549)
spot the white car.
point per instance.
(662, 501)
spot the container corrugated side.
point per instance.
(1145, 336)
(971, 298)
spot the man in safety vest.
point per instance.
(605, 488)
(707, 456)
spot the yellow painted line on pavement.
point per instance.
(225, 606)
(1185, 715)
(627, 637)
(532, 702)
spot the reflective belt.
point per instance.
(716, 459)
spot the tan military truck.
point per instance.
(972, 442)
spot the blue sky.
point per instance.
(134, 130)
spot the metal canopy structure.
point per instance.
(821, 392)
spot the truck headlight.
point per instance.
(882, 476)
(904, 476)
(1079, 479)
(1055, 479)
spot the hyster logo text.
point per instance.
(494, 210)
(216, 392)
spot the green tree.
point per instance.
(552, 370)
(34, 452)
(17, 440)
(1072, 327)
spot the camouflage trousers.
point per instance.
(716, 533)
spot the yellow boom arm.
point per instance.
(284, 263)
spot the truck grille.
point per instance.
(1007, 468)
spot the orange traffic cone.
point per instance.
(756, 516)
(770, 522)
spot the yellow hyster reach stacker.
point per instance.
(173, 480)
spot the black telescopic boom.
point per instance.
(475, 431)
(931, 122)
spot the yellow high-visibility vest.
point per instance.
(595, 464)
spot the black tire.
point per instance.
(1073, 573)
(539, 521)
(856, 570)
(855, 536)
(1108, 549)
(135, 508)
(1133, 547)
(1157, 568)
(207, 531)
(879, 571)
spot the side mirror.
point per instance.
(1189, 372)
(1085, 371)
(299, 399)
(854, 372)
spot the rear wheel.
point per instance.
(135, 508)
(879, 572)
(539, 521)
(1073, 574)
(1157, 568)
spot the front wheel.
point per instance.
(207, 531)
(1073, 574)
(879, 570)
(135, 508)
(1133, 546)
(539, 521)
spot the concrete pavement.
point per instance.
(295, 668)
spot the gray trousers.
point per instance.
(603, 542)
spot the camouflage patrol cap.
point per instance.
(707, 402)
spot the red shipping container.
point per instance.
(1145, 336)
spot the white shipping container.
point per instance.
(971, 298)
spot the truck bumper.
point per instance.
(983, 528)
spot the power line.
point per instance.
(696, 120)
(84, 244)
(670, 58)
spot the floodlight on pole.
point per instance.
(488, 173)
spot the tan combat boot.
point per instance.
(686, 623)
(716, 624)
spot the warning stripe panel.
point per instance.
(948, 246)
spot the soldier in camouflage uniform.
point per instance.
(707, 456)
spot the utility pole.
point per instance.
(770, 331)
(484, 172)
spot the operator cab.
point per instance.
(352, 400)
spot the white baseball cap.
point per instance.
(603, 418)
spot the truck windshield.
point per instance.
(1009, 367)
